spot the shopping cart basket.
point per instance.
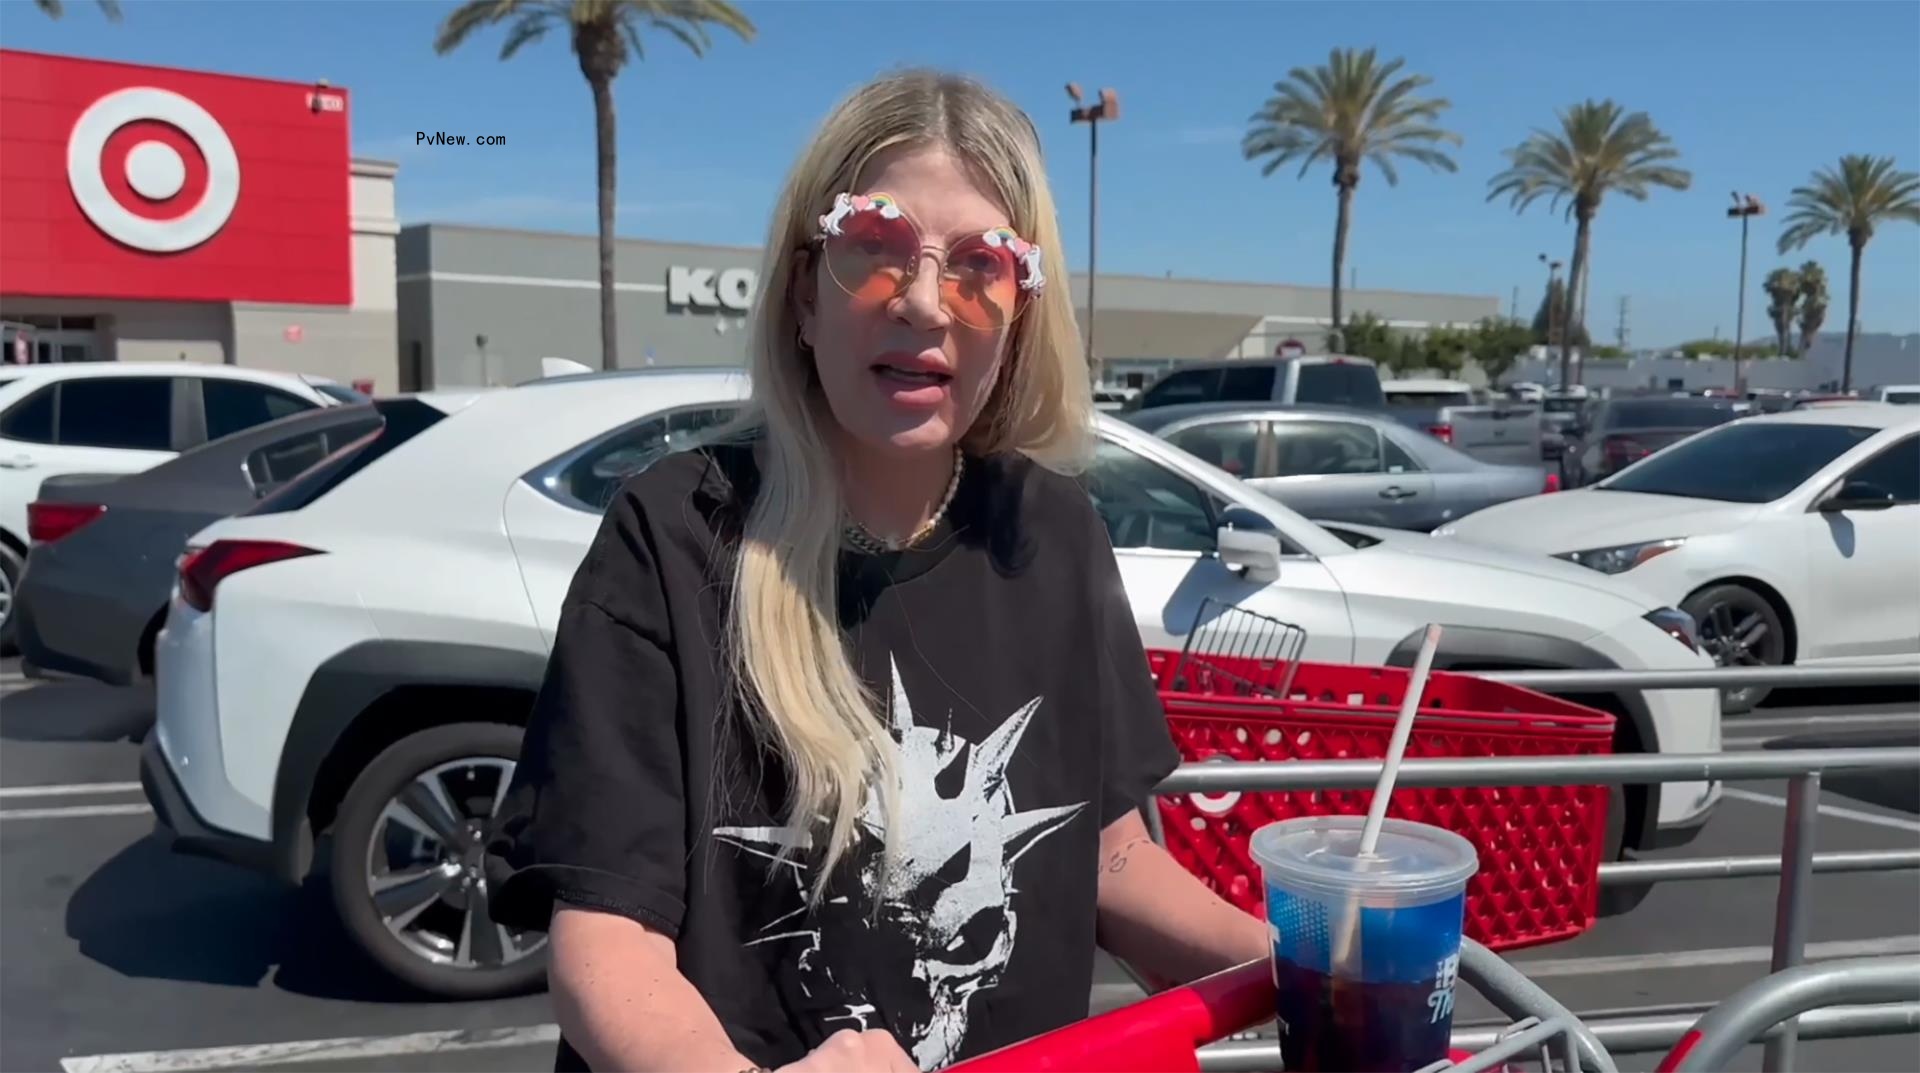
(1238, 692)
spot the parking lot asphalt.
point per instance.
(121, 956)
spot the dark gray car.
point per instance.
(101, 568)
(1343, 464)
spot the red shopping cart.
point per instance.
(1239, 692)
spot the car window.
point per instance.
(1743, 462)
(1340, 448)
(1397, 459)
(1338, 384)
(1146, 505)
(1253, 383)
(592, 479)
(1188, 385)
(31, 419)
(282, 461)
(126, 412)
(236, 405)
(1896, 469)
(1428, 400)
(1234, 446)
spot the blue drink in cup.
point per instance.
(1366, 951)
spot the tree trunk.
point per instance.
(1576, 280)
(603, 130)
(1337, 339)
(1859, 245)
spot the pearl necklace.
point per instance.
(861, 539)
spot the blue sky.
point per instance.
(1756, 95)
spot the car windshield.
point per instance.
(1562, 406)
(1742, 463)
(1662, 414)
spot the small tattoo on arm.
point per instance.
(1117, 862)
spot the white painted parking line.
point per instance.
(1837, 811)
(1699, 959)
(348, 1048)
(70, 789)
(72, 812)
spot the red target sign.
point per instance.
(123, 181)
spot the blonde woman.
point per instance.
(839, 760)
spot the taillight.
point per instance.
(48, 522)
(1622, 450)
(1443, 433)
(1553, 483)
(203, 569)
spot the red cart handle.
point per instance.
(1161, 1034)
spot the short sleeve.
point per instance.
(595, 813)
(1137, 749)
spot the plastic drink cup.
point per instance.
(1366, 950)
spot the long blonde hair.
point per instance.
(790, 662)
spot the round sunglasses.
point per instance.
(873, 250)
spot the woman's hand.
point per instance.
(847, 1051)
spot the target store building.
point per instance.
(157, 214)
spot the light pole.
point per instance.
(1092, 115)
(1744, 206)
(1553, 317)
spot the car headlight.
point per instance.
(1621, 557)
(1678, 625)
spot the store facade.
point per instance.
(158, 214)
(484, 305)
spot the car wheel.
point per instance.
(408, 879)
(1738, 628)
(10, 568)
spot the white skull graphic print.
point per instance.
(942, 909)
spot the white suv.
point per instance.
(356, 656)
(121, 417)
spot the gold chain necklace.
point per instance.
(863, 540)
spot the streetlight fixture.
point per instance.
(1553, 317)
(1108, 109)
(1745, 206)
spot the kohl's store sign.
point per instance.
(730, 289)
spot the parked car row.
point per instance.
(347, 610)
(344, 662)
(122, 417)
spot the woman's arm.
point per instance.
(1160, 918)
(622, 1003)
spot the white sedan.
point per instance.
(1790, 538)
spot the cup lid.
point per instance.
(1322, 853)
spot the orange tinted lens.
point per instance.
(871, 255)
(981, 284)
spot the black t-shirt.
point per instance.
(1008, 666)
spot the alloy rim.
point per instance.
(425, 869)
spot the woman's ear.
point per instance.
(804, 294)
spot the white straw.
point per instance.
(1402, 730)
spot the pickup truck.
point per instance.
(1504, 432)
(1324, 379)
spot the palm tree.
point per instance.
(605, 34)
(1865, 191)
(1813, 303)
(1598, 149)
(1783, 299)
(1351, 110)
(53, 9)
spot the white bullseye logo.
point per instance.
(153, 169)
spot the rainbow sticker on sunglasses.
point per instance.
(845, 205)
(1031, 279)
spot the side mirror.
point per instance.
(1249, 545)
(1857, 495)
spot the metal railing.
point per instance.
(1795, 865)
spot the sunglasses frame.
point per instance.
(1027, 256)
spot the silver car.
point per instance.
(1343, 464)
